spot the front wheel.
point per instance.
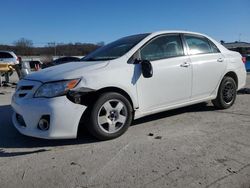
(226, 94)
(110, 116)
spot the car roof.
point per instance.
(221, 47)
(176, 31)
(158, 33)
(6, 51)
(9, 52)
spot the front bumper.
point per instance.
(64, 116)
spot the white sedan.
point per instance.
(127, 79)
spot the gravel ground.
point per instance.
(195, 146)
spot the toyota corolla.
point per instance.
(132, 77)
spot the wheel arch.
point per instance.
(117, 90)
(219, 101)
(89, 98)
(233, 75)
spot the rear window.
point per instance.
(214, 47)
(5, 55)
(34, 63)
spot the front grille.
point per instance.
(20, 120)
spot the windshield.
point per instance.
(115, 49)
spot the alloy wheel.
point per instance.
(112, 116)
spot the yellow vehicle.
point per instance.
(4, 68)
(8, 60)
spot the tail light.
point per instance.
(19, 59)
(244, 60)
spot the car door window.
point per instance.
(198, 45)
(32, 64)
(214, 47)
(5, 55)
(162, 47)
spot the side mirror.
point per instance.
(147, 69)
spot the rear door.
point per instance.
(208, 65)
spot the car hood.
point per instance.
(66, 71)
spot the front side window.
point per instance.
(162, 47)
(115, 49)
(198, 45)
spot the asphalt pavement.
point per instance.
(196, 146)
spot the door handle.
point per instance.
(185, 64)
(220, 60)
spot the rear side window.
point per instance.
(214, 47)
(73, 59)
(198, 45)
(162, 47)
(63, 60)
(5, 55)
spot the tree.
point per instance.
(23, 42)
(23, 46)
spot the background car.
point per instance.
(8, 57)
(34, 65)
(60, 61)
(247, 62)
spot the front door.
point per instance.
(172, 74)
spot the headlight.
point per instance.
(54, 89)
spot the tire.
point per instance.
(226, 94)
(110, 116)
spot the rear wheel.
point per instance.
(226, 94)
(110, 116)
